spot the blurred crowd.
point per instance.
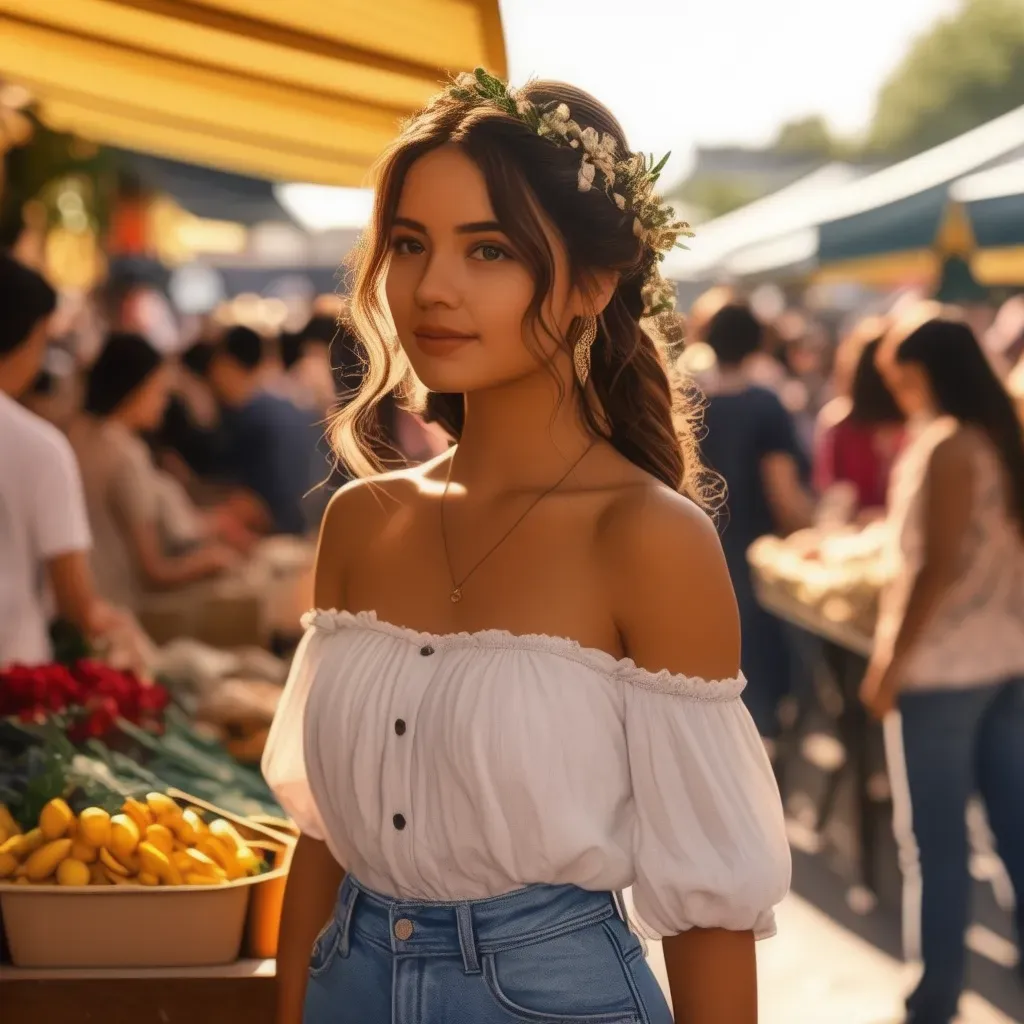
(914, 419)
(805, 420)
(177, 461)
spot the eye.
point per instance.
(406, 246)
(488, 252)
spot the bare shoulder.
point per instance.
(357, 513)
(953, 457)
(673, 601)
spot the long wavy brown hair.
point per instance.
(647, 417)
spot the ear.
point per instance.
(594, 293)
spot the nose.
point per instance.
(442, 281)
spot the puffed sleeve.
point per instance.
(710, 840)
(284, 764)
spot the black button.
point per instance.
(427, 651)
(400, 727)
(399, 822)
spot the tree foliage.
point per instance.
(967, 69)
(808, 136)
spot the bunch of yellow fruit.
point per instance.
(155, 842)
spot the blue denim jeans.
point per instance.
(541, 955)
(954, 742)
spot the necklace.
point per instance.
(456, 595)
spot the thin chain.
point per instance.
(456, 594)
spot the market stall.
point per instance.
(139, 842)
(826, 582)
(298, 91)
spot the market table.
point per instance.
(845, 651)
(242, 991)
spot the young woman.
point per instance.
(860, 448)
(487, 785)
(949, 649)
(148, 536)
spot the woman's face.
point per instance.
(458, 294)
(909, 385)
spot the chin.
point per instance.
(452, 372)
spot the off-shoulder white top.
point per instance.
(467, 765)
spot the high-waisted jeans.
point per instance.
(545, 954)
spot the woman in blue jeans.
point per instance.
(949, 650)
(484, 783)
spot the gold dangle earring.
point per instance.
(581, 350)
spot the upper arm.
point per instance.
(776, 431)
(674, 602)
(949, 493)
(133, 491)
(70, 577)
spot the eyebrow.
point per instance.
(474, 228)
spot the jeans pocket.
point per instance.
(324, 949)
(576, 978)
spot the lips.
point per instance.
(442, 334)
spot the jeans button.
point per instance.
(403, 929)
(398, 821)
(399, 726)
(427, 651)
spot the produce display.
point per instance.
(106, 734)
(837, 572)
(151, 842)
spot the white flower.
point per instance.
(585, 179)
(467, 80)
(523, 106)
(601, 150)
(620, 201)
(556, 122)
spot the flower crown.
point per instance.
(628, 180)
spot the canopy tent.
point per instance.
(289, 90)
(205, 192)
(740, 235)
(895, 224)
(994, 203)
(901, 208)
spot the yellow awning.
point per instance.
(295, 90)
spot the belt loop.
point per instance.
(346, 905)
(620, 906)
(467, 938)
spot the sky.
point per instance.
(678, 73)
(682, 73)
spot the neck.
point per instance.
(520, 436)
(10, 381)
(244, 388)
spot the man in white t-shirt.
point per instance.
(44, 528)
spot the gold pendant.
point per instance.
(456, 595)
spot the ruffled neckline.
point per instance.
(623, 669)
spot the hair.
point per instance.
(640, 413)
(244, 346)
(124, 363)
(321, 328)
(198, 356)
(850, 349)
(966, 387)
(871, 400)
(734, 333)
(26, 299)
(290, 345)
